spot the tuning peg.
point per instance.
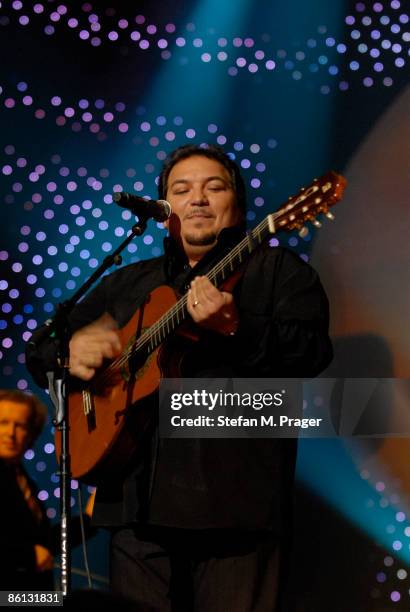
(330, 216)
(316, 223)
(303, 232)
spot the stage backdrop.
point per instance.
(94, 95)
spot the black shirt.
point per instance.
(214, 483)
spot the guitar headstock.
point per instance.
(310, 202)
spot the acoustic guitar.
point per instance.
(107, 418)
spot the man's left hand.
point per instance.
(211, 308)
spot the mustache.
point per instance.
(198, 212)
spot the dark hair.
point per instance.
(212, 152)
(39, 411)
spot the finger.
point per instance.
(81, 371)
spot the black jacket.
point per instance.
(283, 332)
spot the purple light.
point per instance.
(62, 10)
(221, 140)
(48, 273)
(237, 42)
(397, 545)
(368, 81)
(170, 136)
(123, 23)
(396, 48)
(377, 7)
(395, 596)
(399, 62)
(255, 183)
(123, 127)
(49, 30)
(4, 256)
(350, 20)
(144, 44)
(9, 103)
(375, 34)
(38, 8)
(270, 65)
(162, 43)
(140, 19)
(190, 133)
(7, 170)
(378, 67)
(72, 22)
(84, 34)
(360, 7)
(253, 68)
(17, 267)
(241, 62)
(108, 117)
(135, 35)
(180, 42)
(145, 126)
(170, 27)
(151, 29)
(374, 53)
(17, 187)
(17, 5)
(58, 199)
(259, 201)
(113, 35)
(55, 16)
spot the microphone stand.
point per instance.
(59, 382)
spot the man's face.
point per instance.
(202, 197)
(15, 435)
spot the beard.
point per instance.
(201, 239)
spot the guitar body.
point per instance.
(101, 444)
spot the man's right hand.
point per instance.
(92, 344)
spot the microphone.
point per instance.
(160, 210)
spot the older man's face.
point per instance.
(15, 435)
(202, 196)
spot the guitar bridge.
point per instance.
(89, 410)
